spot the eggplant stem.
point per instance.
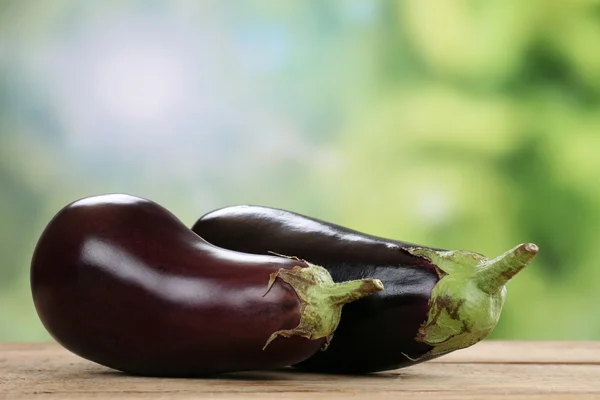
(346, 292)
(321, 300)
(466, 302)
(497, 272)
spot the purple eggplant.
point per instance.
(435, 301)
(122, 282)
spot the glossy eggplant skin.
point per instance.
(120, 281)
(375, 333)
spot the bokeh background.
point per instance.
(457, 124)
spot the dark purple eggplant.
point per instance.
(122, 282)
(435, 301)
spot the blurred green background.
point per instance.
(457, 124)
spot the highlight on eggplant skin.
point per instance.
(120, 281)
(435, 301)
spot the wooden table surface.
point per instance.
(488, 370)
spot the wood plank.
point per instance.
(491, 370)
(491, 351)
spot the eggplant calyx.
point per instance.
(466, 302)
(321, 300)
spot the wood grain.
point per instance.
(490, 370)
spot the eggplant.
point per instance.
(120, 281)
(435, 301)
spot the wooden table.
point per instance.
(489, 370)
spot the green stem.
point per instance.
(497, 272)
(322, 300)
(466, 302)
(349, 291)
